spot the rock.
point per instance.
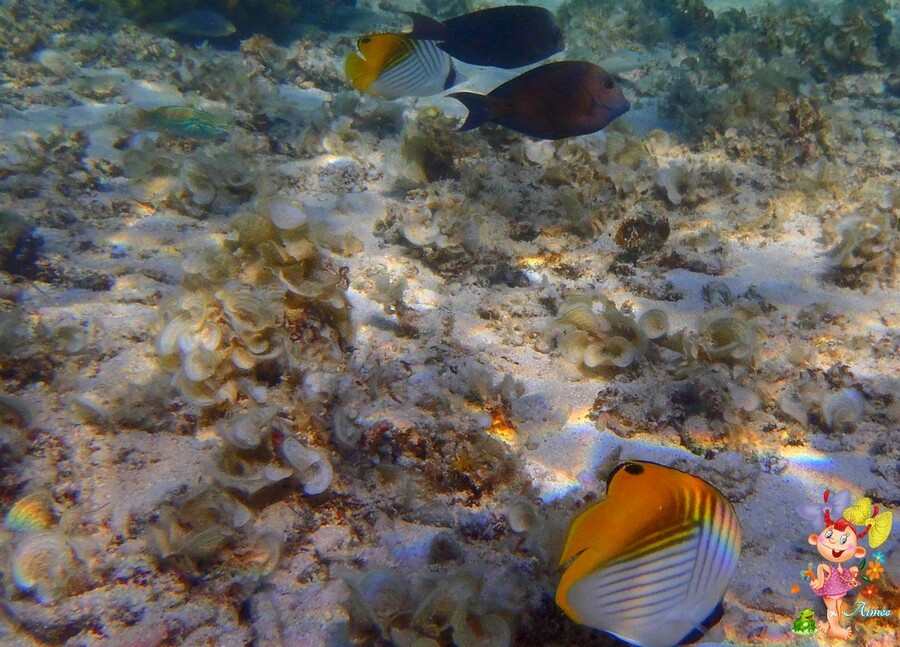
(19, 245)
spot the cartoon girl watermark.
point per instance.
(839, 543)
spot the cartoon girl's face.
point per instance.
(839, 546)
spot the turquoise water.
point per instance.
(287, 363)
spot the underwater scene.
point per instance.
(449, 323)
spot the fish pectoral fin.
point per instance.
(425, 28)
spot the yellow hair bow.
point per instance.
(860, 514)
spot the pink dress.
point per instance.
(837, 583)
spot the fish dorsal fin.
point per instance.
(425, 28)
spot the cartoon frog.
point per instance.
(805, 624)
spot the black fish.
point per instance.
(552, 101)
(505, 37)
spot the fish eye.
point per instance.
(634, 468)
(843, 540)
(365, 40)
(608, 84)
(828, 534)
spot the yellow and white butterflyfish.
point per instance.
(393, 66)
(651, 562)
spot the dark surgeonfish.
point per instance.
(651, 562)
(504, 37)
(553, 101)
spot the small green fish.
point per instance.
(188, 122)
(200, 23)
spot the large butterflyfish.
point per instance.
(393, 66)
(651, 562)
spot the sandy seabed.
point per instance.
(419, 353)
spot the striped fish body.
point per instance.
(394, 66)
(188, 122)
(651, 562)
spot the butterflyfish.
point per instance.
(507, 37)
(552, 101)
(651, 562)
(393, 66)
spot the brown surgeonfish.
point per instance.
(553, 101)
(507, 37)
(651, 562)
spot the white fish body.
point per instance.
(651, 562)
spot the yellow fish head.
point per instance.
(373, 55)
(656, 529)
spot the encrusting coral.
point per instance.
(290, 312)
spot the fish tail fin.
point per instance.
(454, 78)
(425, 28)
(700, 630)
(482, 109)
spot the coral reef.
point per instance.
(866, 251)
(611, 339)
(285, 364)
(201, 182)
(457, 606)
(19, 245)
